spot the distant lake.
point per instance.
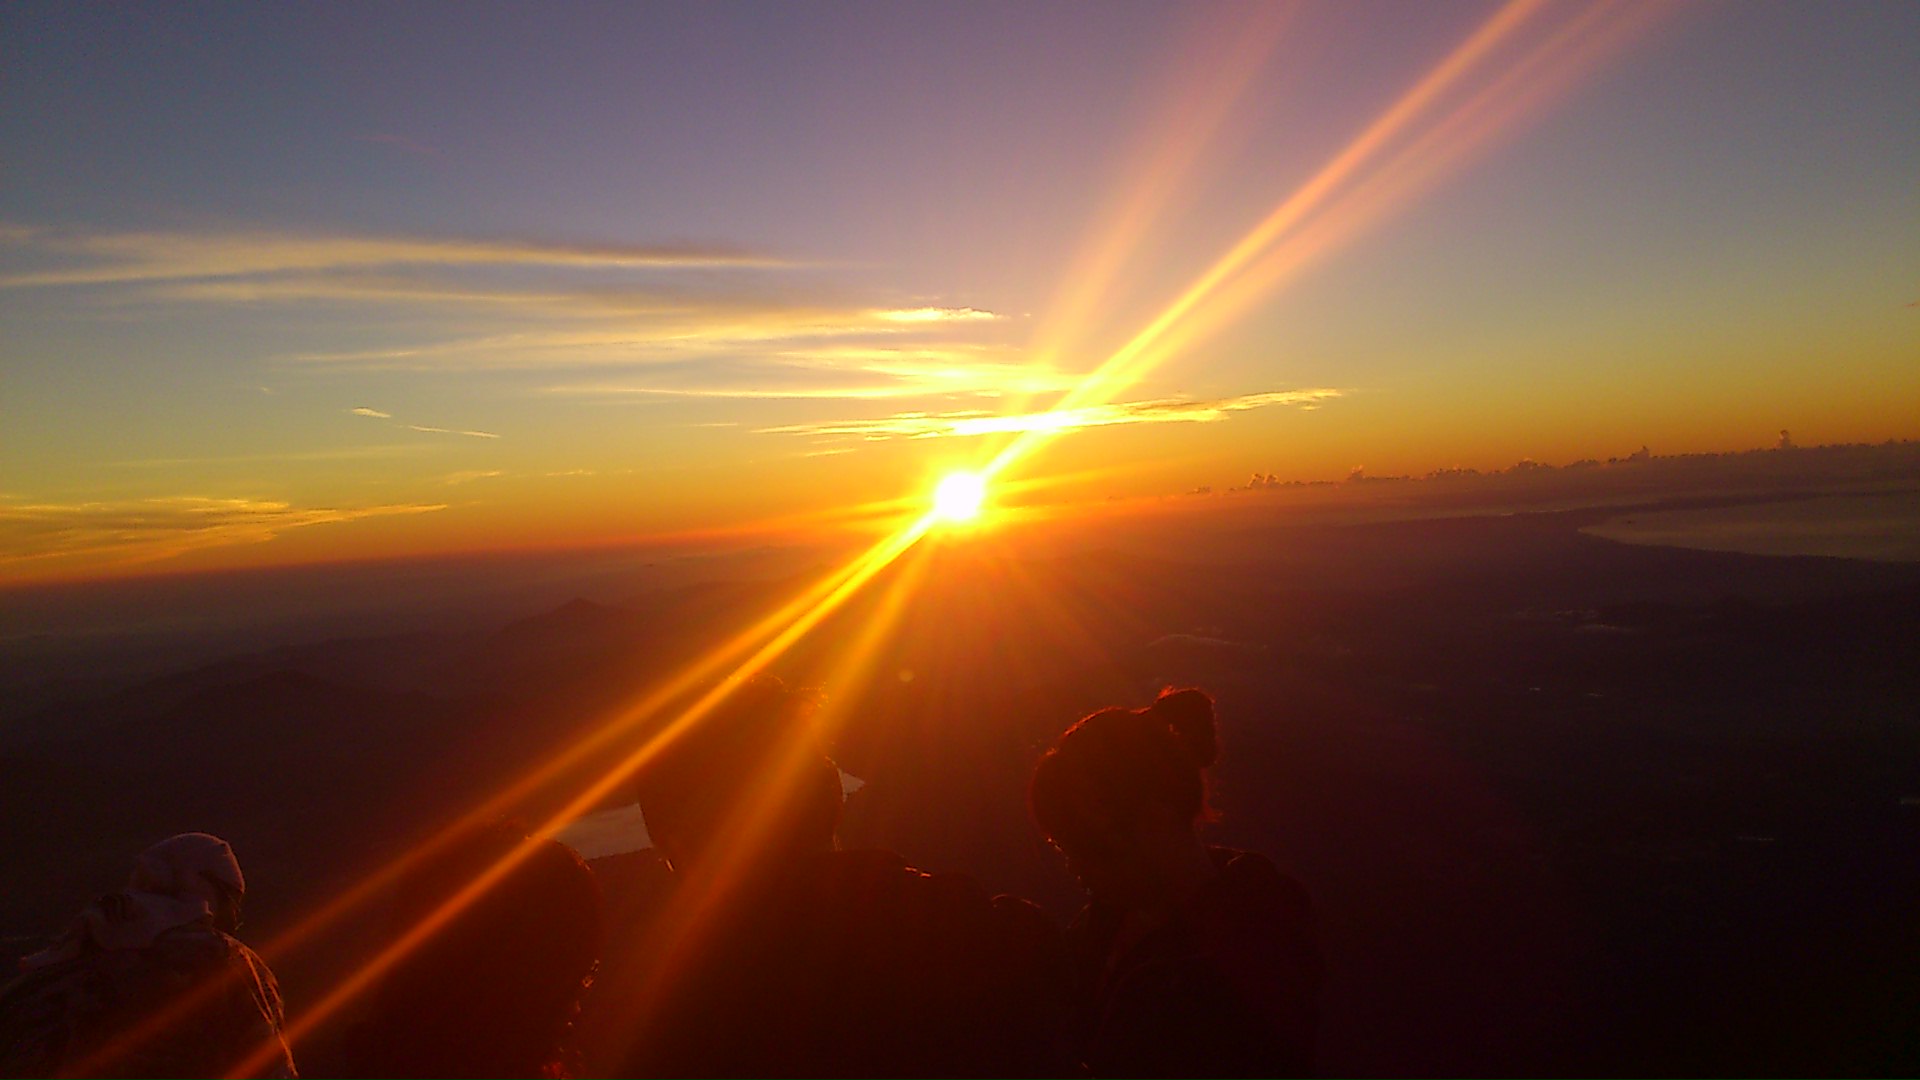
(1884, 528)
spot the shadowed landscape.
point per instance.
(1565, 804)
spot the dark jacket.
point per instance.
(1228, 987)
(857, 964)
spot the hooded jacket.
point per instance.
(1228, 986)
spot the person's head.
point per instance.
(492, 992)
(194, 866)
(750, 771)
(1122, 785)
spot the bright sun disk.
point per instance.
(959, 496)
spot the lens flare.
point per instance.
(959, 497)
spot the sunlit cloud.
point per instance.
(451, 431)
(848, 372)
(341, 453)
(376, 414)
(923, 425)
(668, 331)
(937, 314)
(146, 530)
(364, 287)
(123, 258)
(470, 475)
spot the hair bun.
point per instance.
(1189, 713)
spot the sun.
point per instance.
(958, 498)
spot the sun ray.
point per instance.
(1127, 364)
(862, 571)
(750, 822)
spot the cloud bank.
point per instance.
(131, 257)
(147, 530)
(921, 425)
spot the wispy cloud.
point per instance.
(146, 530)
(376, 414)
(342, 453)
(451, 431)
(923, 425)
(533, 306)
(852, 372)
(938, 314)
(470, 475)
(123, 258)
(796, 335)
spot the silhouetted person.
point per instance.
(148, 981)
(493, 992)
(780, 956)
(1192, 960)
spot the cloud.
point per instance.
(923, 425)
(146, 530)
(378, 415)
(533, 306)
(791, 334)
(850, 372)
(364, 287)
(938, 314)
(145, 257)
(471, 475)
(344, 453)
(451, 431)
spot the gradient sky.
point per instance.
(287, 282)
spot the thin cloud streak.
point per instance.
(347, 453)
(376, 414)
(161, 256)
(921, 425)
(848, 372)
(660, 334)
(450, 431)
(147, 530)
(471, 475)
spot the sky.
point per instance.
(299, 282)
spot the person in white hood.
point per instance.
(149, 981)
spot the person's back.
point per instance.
(1193, 960)
(1227, 986)
(148, 982)
(856, 964)
(780, 956)
(493, 991)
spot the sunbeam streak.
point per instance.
(1194, 311)
(861, 571)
